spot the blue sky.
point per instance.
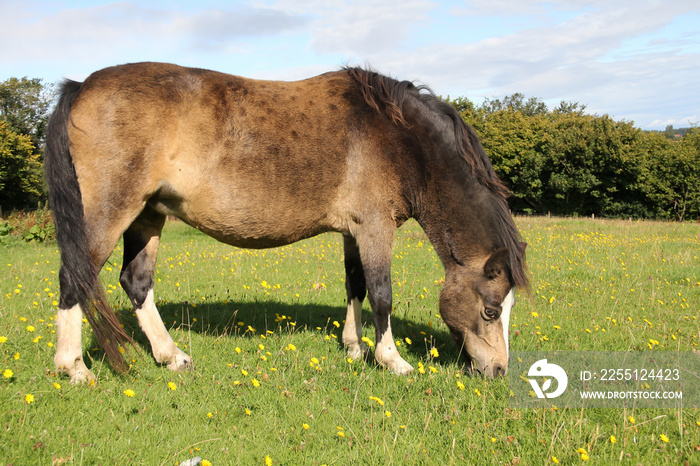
(634, 60)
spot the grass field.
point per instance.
(271, 384)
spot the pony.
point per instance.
(260, 164)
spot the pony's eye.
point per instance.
(492, 312)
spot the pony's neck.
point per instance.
(459, 217)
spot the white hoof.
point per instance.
(358, 351)
(179, 361)
(77, 371)
(398, 366)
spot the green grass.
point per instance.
(271, 379)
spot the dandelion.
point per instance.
(210, 415)
(613, 439)
(632, 420)
(314, 361)
(129, 392)
(421, 368)
(478, 393)
(172, 386)
(248, 412)
(261, 346)
(291, 347)
(350, 360)
(57, 385)
(237, 350)
(3, 339)
(205, 463)
(434, 352)
(555, 460)
(305, 426)
(29, 398)
(368, 342)
(30, 328)
(433, 369)
(8, 374)
(663, 438)
(244, 372)
(460, 385)
(387, 413)
(256, 382)
(408, 341)
(584, 456)
(534, 314)
(268, 460)
(378, 400)
(336, 324)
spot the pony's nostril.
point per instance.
(499, 370)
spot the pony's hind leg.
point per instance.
(140, 250)
(356, 291)
(69, 347)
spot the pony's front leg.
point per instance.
(69, 346)
(376, 261)
(356, 292)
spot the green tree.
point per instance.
(24, 105)
(671, 176)
(20, 170)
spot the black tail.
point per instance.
(78, 277)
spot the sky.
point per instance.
(635, 60)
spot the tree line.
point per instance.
(559, 161)
(566, 162)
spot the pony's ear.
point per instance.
(497, 263)
(522, 246)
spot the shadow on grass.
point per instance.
(234, 319)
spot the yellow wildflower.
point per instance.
(172, 386)
(378, 400)
(29, 398)
(434, 353)
(663, 438)
(8, 374)
(129, 392)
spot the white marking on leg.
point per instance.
(388, 356)
(69, 346)
(164, 349)
(352, 331)
(506, 307)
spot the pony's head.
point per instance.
(475, 303)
